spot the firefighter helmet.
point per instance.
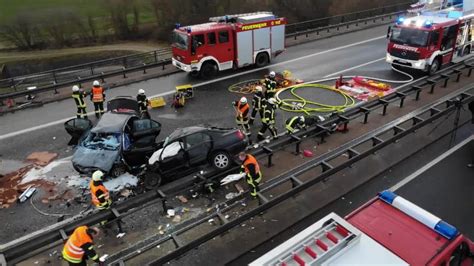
(272, 74)
(141, 91)
(258, 88)
(243, 100)
(97, 175)
(95, 83)
(75, 88)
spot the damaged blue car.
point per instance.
(120, 142)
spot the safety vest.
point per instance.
(94, 190)
(241, 109)
(269, 114)
(97, 94)
(250, 160)
(72, 250)
(270, 84)
(79, 99)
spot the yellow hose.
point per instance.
(304, 105)
(245, 87)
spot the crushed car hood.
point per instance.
(102, 159)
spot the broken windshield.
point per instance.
(180, 40)
(102, 141)
(411, 37)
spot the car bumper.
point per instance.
(416, 64)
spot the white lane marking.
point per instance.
(27, 130)
(417, 173)
(354, 67)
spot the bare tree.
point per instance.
(20, 31)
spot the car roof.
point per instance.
(111, 123)
(180, 132)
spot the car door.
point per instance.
(139, 140)
(173, 159)
(76, 127)
(198, 146)
(447, 43)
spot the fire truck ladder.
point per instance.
(229, 17)
(334, 235)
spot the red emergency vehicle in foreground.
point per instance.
(387, 230)
(428, 41)
(227, 42)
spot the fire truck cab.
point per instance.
(227, 42)
(431, 40)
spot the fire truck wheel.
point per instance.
(194, 74)
(208, 70)
(262, 59)
(466, 51)
(434, 67)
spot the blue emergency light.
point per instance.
(400, 20)
(419, 214)
(428, 23)
(189, 29)
(177, 26)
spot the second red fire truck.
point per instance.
(435, 38)
(227, 42)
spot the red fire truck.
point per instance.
(388, 230)
(428, 41)
(227, 42)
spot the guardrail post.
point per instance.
(92, 70)
(13, 83)
(144, 68)
(418, 91)
(385, 104)
(446, 78)
(298, 142)
(124, 74)
(402, 98)
(458, 73)
(470, 66)
(269, 153)
(366, 112)
(54, 77)
(432, 83)
(55, 88)
(156, 57)
(102, 77)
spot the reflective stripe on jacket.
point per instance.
(105, 194)
(97, 94)
(79, 99)
(72, 250)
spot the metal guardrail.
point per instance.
(19, 250)
(61, 77)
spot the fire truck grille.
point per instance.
(405, 54)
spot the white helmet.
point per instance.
(272, 74)
(258, 88)
(75, 88)
(95, 83)
(243, 100)
(272, 101)
(97, 175)
(141, 91)
(302, 119)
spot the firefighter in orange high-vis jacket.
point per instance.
(253, 175)
(80, 246)
(99, 193)
(98, 98)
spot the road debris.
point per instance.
(182, 198)
(170, 213)
(231, 195)
(27, 194)
(42, 158)
(239, 188)
(176, 219)
(120, 235)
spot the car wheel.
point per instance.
(151, 180)
(117, 171)
(221, 160)
(194, 74)
(466, 51)
(262, 59)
